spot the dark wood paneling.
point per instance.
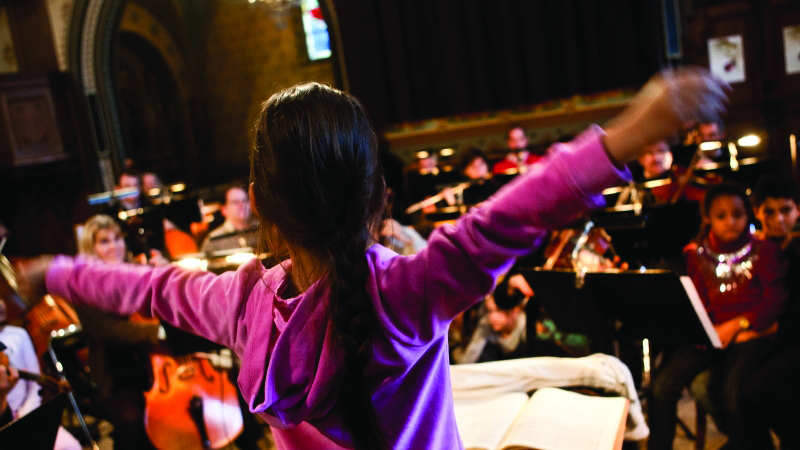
(33, 36)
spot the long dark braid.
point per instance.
(318, 186)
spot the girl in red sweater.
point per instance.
(741, 282)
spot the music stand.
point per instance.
(651, 304)
(38, 428)
(573, 310)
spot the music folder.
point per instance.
(38, 428)
(658, 305)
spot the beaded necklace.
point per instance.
(729, 271)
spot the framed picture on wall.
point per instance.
(791, 49)
(30, 125)
(726, 58)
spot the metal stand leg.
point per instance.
(72, 330)
(82, 422)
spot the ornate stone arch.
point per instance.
(94, 28)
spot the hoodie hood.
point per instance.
(302, 378)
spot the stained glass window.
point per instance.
(316, 30)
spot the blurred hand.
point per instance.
(8, 378)
(449, 196)
(157, 259)
(747, 335)
(518, 282)
(727, 331)
(390, 227)
(393, 228)
(31, 277)
(665, 105)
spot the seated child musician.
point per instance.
(741, 283)
(501, 330)
(769, 397)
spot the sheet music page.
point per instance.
(691, 291)
(556, 419)
(482, 423)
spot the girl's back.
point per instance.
(292, 366)
(346, 343)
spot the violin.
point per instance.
(689, 186)
(590, 249)
(41, 318)
(51, 314)
(44, 380)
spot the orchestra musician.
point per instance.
(519, 156)
(24, 395)
(422, 180)
(741, 281)
(9, 377)
(344, 344)
(119, 348)
(657, 162)
(475, 169)
(142, 223)
(475, 185)
(239, 228)
(769, 396)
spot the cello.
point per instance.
(191, 404)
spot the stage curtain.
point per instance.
(414, 59)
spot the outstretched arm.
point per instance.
(461, 263)
(201, 302)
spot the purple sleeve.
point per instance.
(421, 294)
(201, 302)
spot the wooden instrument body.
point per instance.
(559, 252)
(179, 243)
(178, 384)
(51, 314)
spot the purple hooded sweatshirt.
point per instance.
(291, 367)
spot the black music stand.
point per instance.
(573, 310)
(651, 304)
(38, 428)
(655, 238)
(655, 304)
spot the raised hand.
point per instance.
(31, 277)
(668, 103)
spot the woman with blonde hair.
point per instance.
(118, 347)
(101, 237)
